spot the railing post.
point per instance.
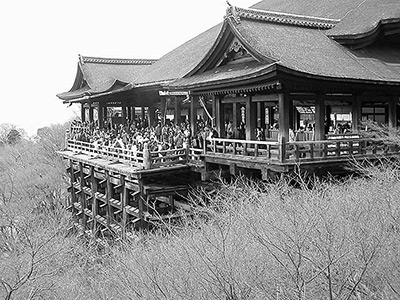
(187, 152)
(146, 156)
(205, 146)
(66, 139)
(282, 149)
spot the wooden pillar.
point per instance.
(124, 203)
(219, 116)
(194, 103)
(73, 191)
(163, 108)
(133, 114)
(142, 205)
(95, 205)
(100, 115)
(319, 132)
(142, 113)
(124, 114)
(235, 122)
(83, 112)
(392, 112)
(83, 196)
(214, 111)
(251, 118)
(152, 115)
(90, 113)
(177, 111)
(284, 115)
(109, 195)
(261, 112)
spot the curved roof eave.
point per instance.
(284, 69)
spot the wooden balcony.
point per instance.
(278, 156)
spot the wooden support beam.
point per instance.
(320, 117)
(392, 112)
(91, 112)
(83, 112)
(194, 103)
(109, 195)
(177, 110)
(284, 115)
(251, 118)
(83, 195)
(95, 207)
(124, 204)
(219, 116)
(214, 111)
(163, 110)
(142, 205)
(124, 114)
(100, 115)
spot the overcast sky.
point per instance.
(41, 40)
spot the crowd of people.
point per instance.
(135, 135)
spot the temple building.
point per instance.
(283, 62)
(317, 68)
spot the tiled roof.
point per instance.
(283, 18)
(222, 74)
(117, 61)
(181, 60)
(99, 75)
(367, 17)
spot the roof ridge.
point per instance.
(116, 61)
(278, 17)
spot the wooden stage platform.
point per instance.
(115, 191)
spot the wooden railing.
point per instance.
(302, 151)
(279, 152)
(145, 159)
(269, 150)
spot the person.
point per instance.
(301, 137)
(259, 134)
(242, 131)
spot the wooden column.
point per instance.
(261, 113)
(95, 205)
(163, 109)
(124, 114)
(109, 195)
(83, 112)
(177, 111)
(90, 113)
(133, 114)
(356, 107)
(124, 203)
(219, 116)
(214, 110)
(194, 103)
(392, 112)
(319, 117)
(152, 115)
(284, 115)
(100, 115)
(235, 122)
(142, 113)
(73, 191)
(83, 196)
(251, 118)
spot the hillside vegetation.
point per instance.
(320, 239)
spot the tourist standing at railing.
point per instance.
(260, 134)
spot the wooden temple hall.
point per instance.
(282, 84)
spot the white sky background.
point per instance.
(41, 40)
